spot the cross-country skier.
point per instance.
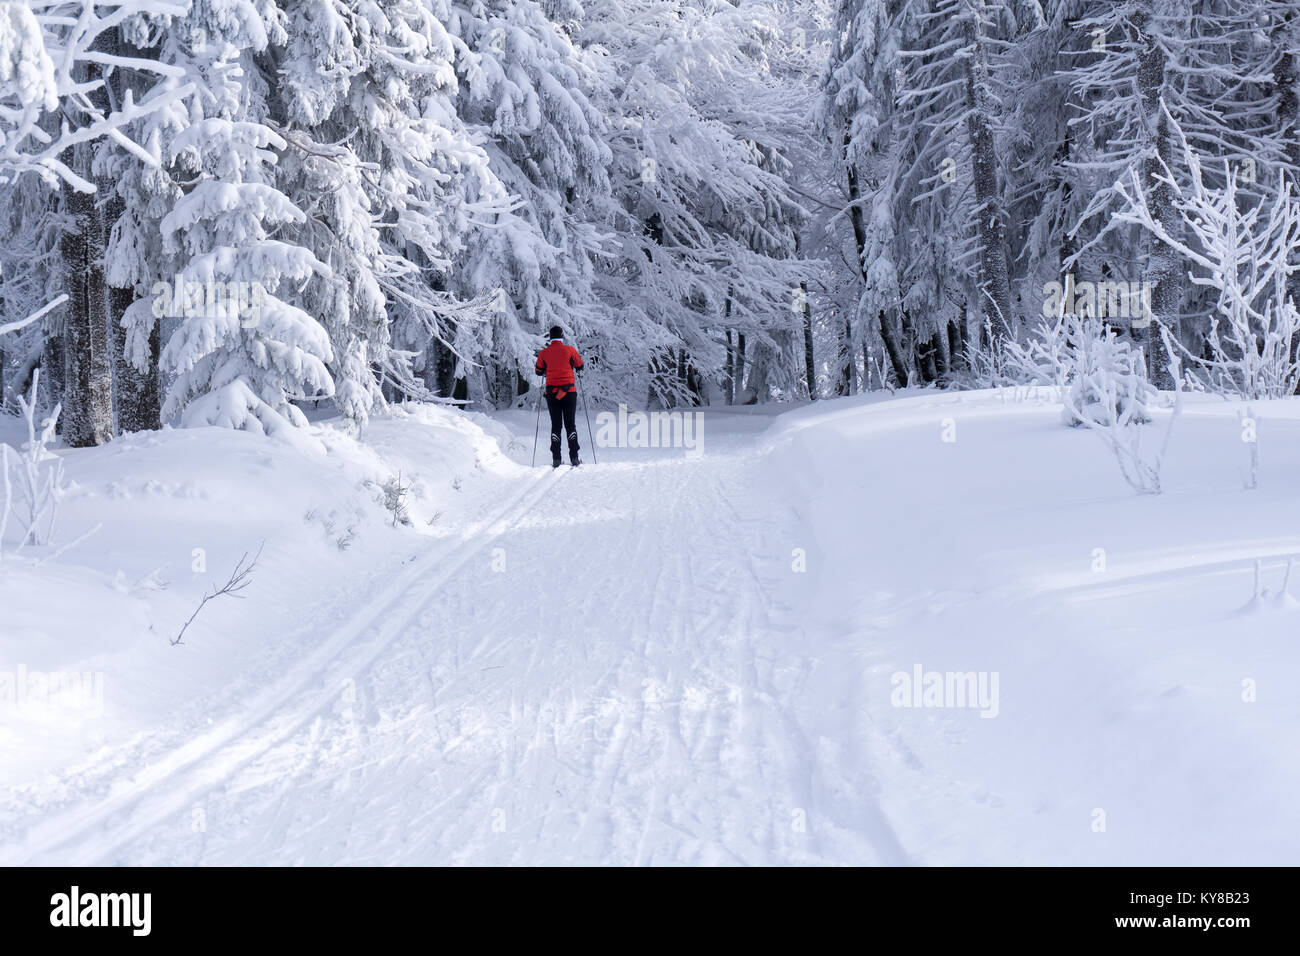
(557, 362)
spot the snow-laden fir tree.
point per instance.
(242, 355)
(703, 220)
(523, 88)
(856, 116)
(393, 182)
(948, 179)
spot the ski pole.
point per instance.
(537, 426)
(590, 437)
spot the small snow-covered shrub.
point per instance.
(392, 495)
(1105, 377)
(1103, 386)
(1101, 378)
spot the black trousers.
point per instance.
(564, 410)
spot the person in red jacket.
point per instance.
(557, 362)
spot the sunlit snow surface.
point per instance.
(664, 659)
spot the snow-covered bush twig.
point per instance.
(990, 362)
(1044, 359)
(37, 474)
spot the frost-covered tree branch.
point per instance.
(46, 86)
(1242, 251)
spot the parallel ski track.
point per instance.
(170, 784)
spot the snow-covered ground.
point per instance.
(665, 658)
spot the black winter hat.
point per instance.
(557, 332)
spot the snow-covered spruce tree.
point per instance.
(703, 219)
(1045, 196)
(52, 60)
(524, 89)
(947, 183)
(817, 305)
(782, 97)
(1284, 39)
(391, 180)
(856, 116)
(241, 359)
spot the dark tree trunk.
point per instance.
(695, 383)
(740, 360)
(898, 365)
(54, 363)
(1061, 169)
(1162, 263)
(994, 281)
(942, 360)
(88, 388)
(1069, 245)
(440, 364)
(729, 389)
(810, 366)
(138, 393)
(956, 346)
(925, 363)
(846, 359)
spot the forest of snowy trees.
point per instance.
(230, 211)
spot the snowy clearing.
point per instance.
(661, 659)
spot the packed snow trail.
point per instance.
(612, 692)
(667, 660)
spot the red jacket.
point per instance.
(557, 362)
